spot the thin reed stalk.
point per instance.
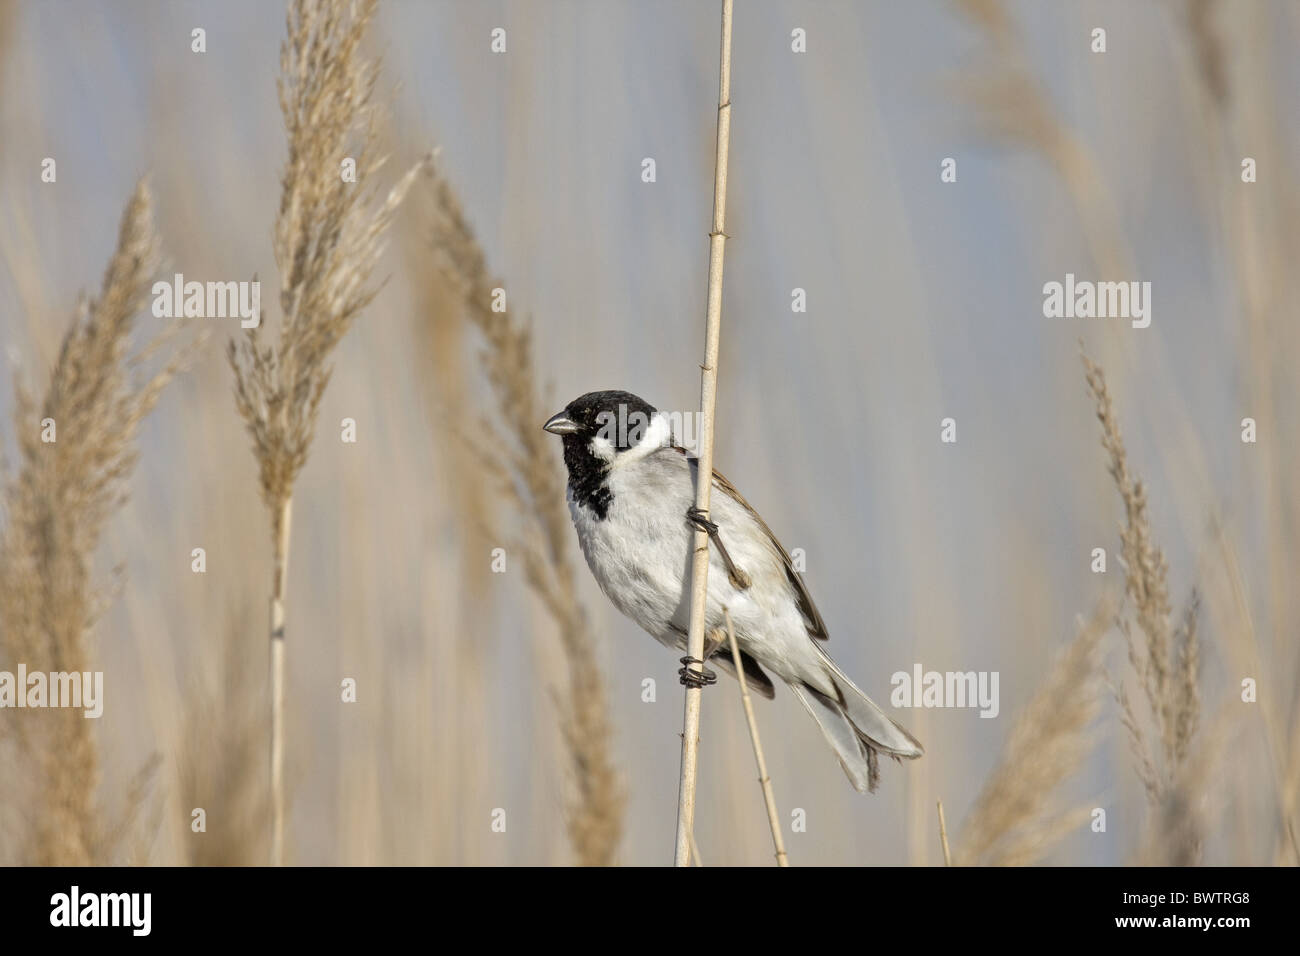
(696, 859)
(328, 238)
(943, 837)
(280, 525)
(764, 779)
(703, 484)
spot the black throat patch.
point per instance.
(587, 476)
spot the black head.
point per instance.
(620, 418)
(597, 428)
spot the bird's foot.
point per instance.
(701, 521)
(696, 678)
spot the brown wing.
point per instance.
(812, 618)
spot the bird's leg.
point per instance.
(739, 579)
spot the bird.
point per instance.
(631, 495)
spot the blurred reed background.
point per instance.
(523, 690)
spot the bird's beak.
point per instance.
(558, 424)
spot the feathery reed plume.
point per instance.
(57, 504)
(1016, 820)
(764, 780)
(522, 464)
(708, 400)
(1165, 663)
(328, 238)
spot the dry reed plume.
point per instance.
(1165, 661)
(523, 465)
(1017, 818)
(327, 240)
(57, 505)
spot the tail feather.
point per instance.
(856, 756)
(857, 730)
(878, 729)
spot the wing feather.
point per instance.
(812, 617)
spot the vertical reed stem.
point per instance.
(280, 538)
(943, 837)
(703, 483)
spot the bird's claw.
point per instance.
(696, 678)
(701, 521)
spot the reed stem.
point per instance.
(764, 780)
(703, 482)
(943, 837)
(282, 517)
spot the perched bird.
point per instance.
(631, 493)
